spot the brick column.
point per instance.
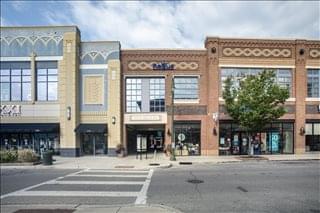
(301, 93)
(211, 146)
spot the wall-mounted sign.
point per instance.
(10, 110)
(163, 66)
(181, 137)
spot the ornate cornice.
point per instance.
(256, 52)
(148, 65)
(162, 53)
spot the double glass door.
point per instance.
(93, 144)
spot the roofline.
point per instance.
(260, 38)
(164, 49)
(102, 41)
(40, 26)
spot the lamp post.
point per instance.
(173, 155)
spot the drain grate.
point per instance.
(242, 189)
(185, 163)
(195, 181)
(154, 164)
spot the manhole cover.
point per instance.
(44, 211)
(154, 164)
(195, 181)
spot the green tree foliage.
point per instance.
(256, 102)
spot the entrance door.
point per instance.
(244, 144)
(93, 144)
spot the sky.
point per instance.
(170, 24)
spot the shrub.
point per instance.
(27, 155)
(8, 156)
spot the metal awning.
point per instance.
(29, 127)
(91, 128)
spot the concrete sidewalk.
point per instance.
(159, 161)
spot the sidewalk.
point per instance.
(160, 161)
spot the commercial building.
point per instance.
(201, 124)
(58, 92)
(81, 98)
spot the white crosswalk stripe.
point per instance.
(88, 177)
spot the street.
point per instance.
(249, 186)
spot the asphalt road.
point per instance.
(263, 186)
(250, 186)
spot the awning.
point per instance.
(91, 128)
(29, 127)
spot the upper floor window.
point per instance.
(157, 94)
(145, 94)
(283, 76)
(133, 94)
(186, 88)
(313, 85)
(47, 81)
(15, 81)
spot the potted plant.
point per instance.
(120, 150)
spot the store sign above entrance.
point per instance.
(163, 66)
(10, 110)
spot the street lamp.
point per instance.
(173, 155)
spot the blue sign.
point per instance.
(162, 66)
(274, 141)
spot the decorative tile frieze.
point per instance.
(256, 52)
(149, 65)
(314, 53)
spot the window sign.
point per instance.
(10, 110)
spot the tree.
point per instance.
(257, 101)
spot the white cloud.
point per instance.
(186, 24)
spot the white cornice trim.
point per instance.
(186, 101)
(256, 66)
(313, 99)
(15, 58)
(94, 66)
(312, 67)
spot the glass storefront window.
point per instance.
(312, 135)
(187, 138)
(276, 138)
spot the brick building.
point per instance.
(201, 125)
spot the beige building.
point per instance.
(58, 92)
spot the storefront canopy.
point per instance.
(29, 128)
(91, 128)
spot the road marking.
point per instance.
(116, 171)
(98, 182)
(129, 176)
(75, 194)
(142, 195)
(37, 185)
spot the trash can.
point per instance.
(47, 158)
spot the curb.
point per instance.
(21, 164)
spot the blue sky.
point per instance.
(166, 24)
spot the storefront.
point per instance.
(275, 138)
(93, 139)
(312, 136)
(38, 137)
(145, 137)
(187, 138)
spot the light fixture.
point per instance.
(215, 131)
(69, 112)
(302, 131)
(113, 120)
(168, 132)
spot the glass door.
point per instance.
(100, 144)
(244, 145)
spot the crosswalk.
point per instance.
(93, 183)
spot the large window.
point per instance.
(313, 84)
(186, 88)
(133, 94)
(157, 94)
(145, 94)
(312, 136)
(47, 81)
(15, 81)
(283, 76)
